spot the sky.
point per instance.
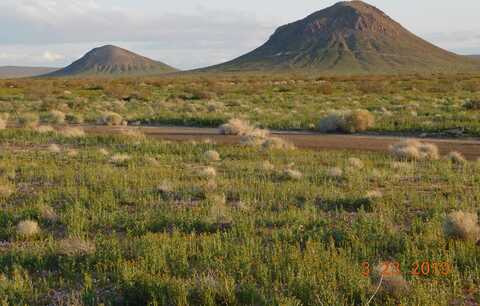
(196, 33)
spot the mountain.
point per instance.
(349, 37)
(11, 72)
(112, 61)
(476, 57)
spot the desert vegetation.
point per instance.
(126, 220)
(89, 219)
(435, 105)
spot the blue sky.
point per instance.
(195, 33)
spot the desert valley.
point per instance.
(336, 164)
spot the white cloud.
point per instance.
(52, 57)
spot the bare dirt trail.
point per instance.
(470, 148)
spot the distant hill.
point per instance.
(349, 37)
(11, 72)
(477, 57)
(112, 61)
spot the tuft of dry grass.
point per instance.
(335, 173)
(277, 143)
(75, 247)
(456, 158)
(212, 155)
(374, 194)
(54, 117)
(133, 134)
(48, 213)
(207, 172)
(110, 119)
(74, 118)
(28, 120)
(291, 174)
(72, 132)
(6, 190)
(391, 281)
(462, 226)
(414, 150)
(54, 148)
(268, 166)
(355, 163)
(103, 152)
(28, 228)
(236, 127)
(43, 129)
(4, 120)
(119, 159)
(358, 121)
(72, 152)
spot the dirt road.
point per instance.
(308, 140)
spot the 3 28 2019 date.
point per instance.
(418, 268)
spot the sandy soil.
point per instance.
(308, 140)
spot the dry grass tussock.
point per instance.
(290, 173)
(347, 122)
(28, 120)
(28, 228)
(134, 134)
(206, 172)
(462, 226)
(212, 155)
(411, 149)
(54, 148)
(335, 173)
(75, 247)
(103, 151)
(110, 119)
(236, 127)
(4, 120)
(456, 158)
(374, 194)
(119, 159)
(43, 129)
(254, 137)
(54, 117)
(6, 190)
(355, 163)
(268, 166)
(277, 143)
(48, 213)
(72, 132)
(391, 282)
